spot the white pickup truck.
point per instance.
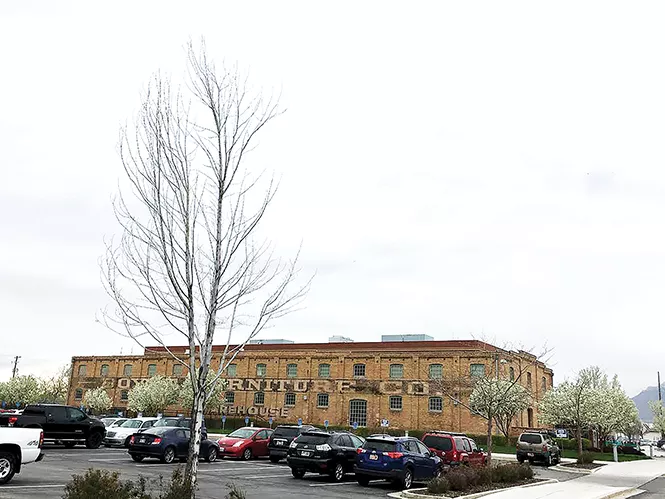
(19, 446)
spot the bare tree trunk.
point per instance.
(489, 438)
(579, 440)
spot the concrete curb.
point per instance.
(413, 494)
(579, 471)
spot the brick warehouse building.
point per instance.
(412, 384)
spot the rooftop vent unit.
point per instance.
(339, 339)
(406, 337)
(270, 342)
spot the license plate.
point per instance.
(373, 457)
(530, 454)
(221, 449)
(142, 440)
(279, 442)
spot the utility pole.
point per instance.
(660, 397)
(15, 369)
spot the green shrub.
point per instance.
(571, 443)
(507, 473)
(485, 475)
(439, 485)
(176, 488)
(585, 458)
(525, 471)
(457, 480)
(235, 492)
(103, 483)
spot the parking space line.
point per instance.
(108, 460)
(7, 487)
(252, 477)
(331, 484)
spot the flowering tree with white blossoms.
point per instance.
(498, 400)
(616, 413)
(20, 390)
(153, 395)
(97, 399)
(658, 415)
(215, 389)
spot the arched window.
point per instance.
(544, 384)
(528, 380)
(104, 370)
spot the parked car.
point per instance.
(646, 442)
(454, 448)
(180, 422)
(321, 452)
(113, 422)
(168, 444)
(19, 446)
(402, 460)
(282, 437)
(120, 436)
(534, 446)
(661, 443)
(245, 443)
(62, 423)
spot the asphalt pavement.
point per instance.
(258, 477)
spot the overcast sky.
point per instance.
(470, 168)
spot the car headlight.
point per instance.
(293, 445)
(238, 444)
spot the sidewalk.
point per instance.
(613, 480)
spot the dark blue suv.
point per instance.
(402, 460)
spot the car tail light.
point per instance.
(157, 441)
(41, 439)
(544, 448)
(360, 450)
(131, 441)
(394, 455)
(12, 420)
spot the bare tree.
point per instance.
(188, 263)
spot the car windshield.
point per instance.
(167, 422)
(107, 421)
(380, 445)
(314, 439)
(132, 423)
(286, 432)
(438, 443)
(242, 433)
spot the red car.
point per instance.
(454, 448)
(245, 443)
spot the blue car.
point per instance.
(168, 444)
(401, 460)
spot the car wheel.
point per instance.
(549, 460)
(247, 454)
(297, 472)
(69, 445)
(530, 461)
(137, 458)
(7, 467)
(169, 455)
(520, 460)
(407, 479)
(126, 444)
(438, 472)
(212, 455)
(362, 480)
(337, 473)
(94, 440)
(274, 459)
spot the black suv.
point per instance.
(324, 453)
(279, 442)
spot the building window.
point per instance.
(290, 399)
(435, 371)
(229, 398)
(261, 370)
(127, 371)
(79, 394)
(324, 370)
(124, 395)
(359, 370)
(104, 370)
(152, 369)
(291, 370)
(232, 370)
(477, 370)
(512, 374)
(528, 383)
(358, 412)
(544, 384)
(322, 400)
(83, 369)
(177, 370)
(396, 371)
(435, 404)
(395, 403)
(259, 398)
(529, 416)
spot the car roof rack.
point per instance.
(444, 432)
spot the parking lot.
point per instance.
(259, 478)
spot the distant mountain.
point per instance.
(642, 401)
